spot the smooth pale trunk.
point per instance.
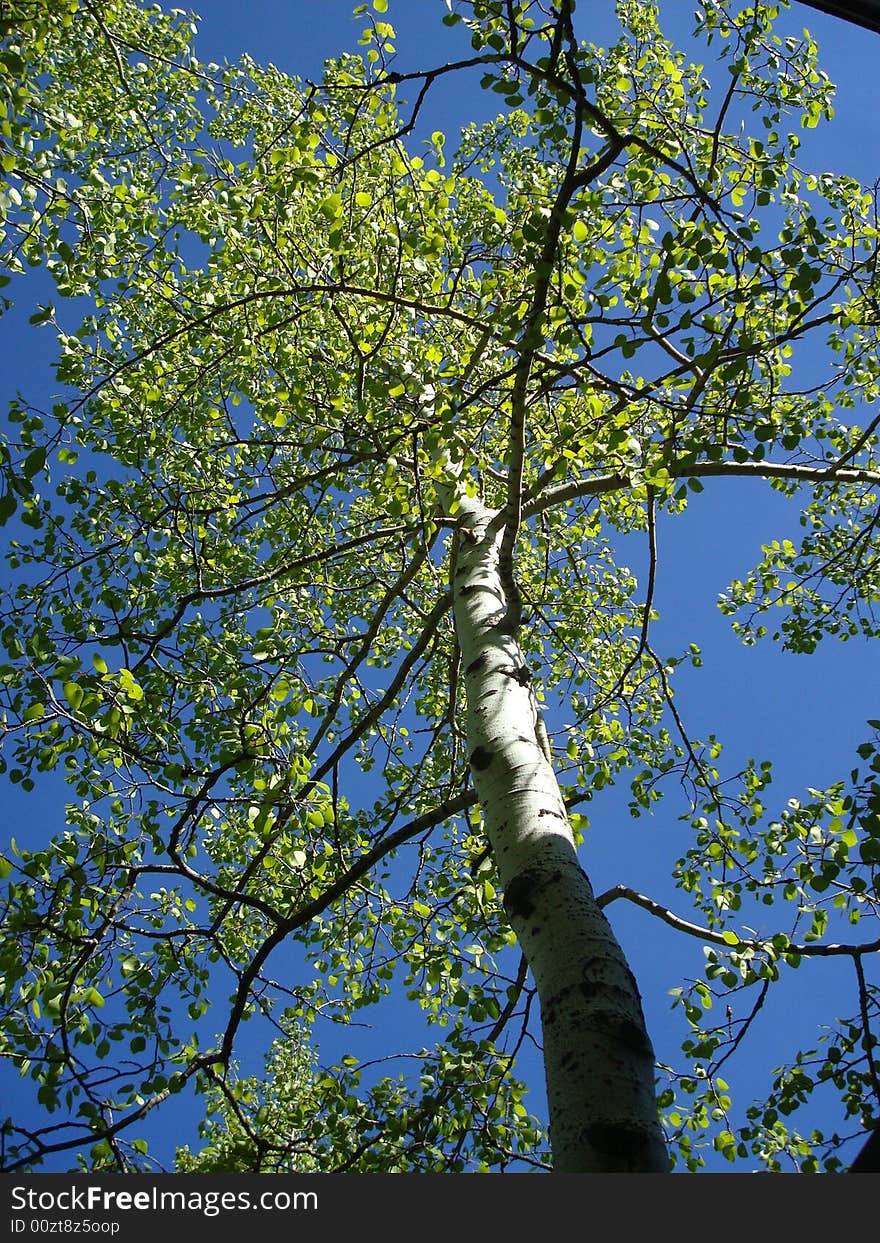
(598, 1057)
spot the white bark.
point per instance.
(598, 1057)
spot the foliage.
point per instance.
(283, 338)
(267, 1125)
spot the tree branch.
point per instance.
(620, 482)
(661, 912)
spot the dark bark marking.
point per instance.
(618, 1139)
(589, 988)
(476, 664)
(518, 895)
(558, 998)
(505, 625)
(481, 759)
(551, 811)
(623, 1031)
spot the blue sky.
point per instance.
(807, 714)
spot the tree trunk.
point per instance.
(598, 1057)
(868, 1159)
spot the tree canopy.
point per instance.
(318, 623)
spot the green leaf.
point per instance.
(8, 506)
(73, 693)
(34, 462)
(43, 315)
